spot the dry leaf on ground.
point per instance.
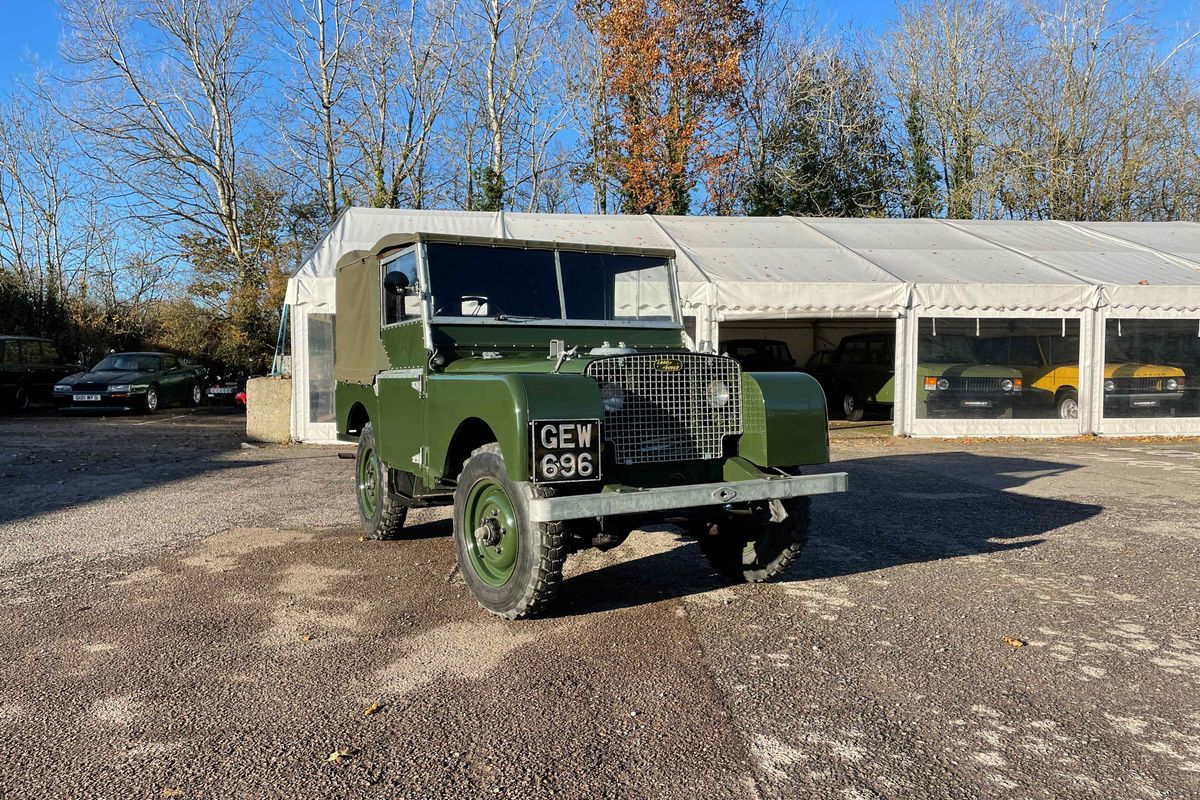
(338, 756)
(1013, 642)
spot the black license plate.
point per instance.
(565, 450)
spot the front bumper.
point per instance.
(952, 399)
(628, 500)
(1144, 400)
(109, 401)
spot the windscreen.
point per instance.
(946, 349)
(498, 282)
(510, 283)
(129, 363)
(616, 287)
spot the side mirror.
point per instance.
(395, 283)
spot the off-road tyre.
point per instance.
(534, 577)
(753, 549)
(382, 511)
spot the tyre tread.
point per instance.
(551, 552)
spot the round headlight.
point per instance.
(612, 396)
(718, 394)
(1172, 384)
(1109, 386)
(1006, 384)
(943, 384)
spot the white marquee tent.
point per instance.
(915, 272)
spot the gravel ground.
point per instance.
(184, 617)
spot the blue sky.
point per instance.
(32, 29)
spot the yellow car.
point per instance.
(1050, 367)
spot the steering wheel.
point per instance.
(493, 309)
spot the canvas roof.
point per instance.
(745, 267)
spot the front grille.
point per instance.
(976, 384)
(1137, 384)
(665, 414)
(89, 387)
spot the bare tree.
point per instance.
(1097, 114)
(952, 56)
(164, 91)
(51, 222)
(403, 64)
(317, 37)
(509, 39)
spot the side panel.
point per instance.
(506, 403)
(400, 422)
(785, 420)
(346, 395)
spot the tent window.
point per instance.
(1151, 368)
(998, 368)
(320, 368)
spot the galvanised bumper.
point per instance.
(670, 498)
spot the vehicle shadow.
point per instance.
(902, 509)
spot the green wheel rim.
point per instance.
(488, 500)
(368, 482)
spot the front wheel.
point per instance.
(382, 512)
(512, 566)
(1068, 405)
(150, 401)
(757, 543)
(196, 395)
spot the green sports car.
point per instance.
(142, 382)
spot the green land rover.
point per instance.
(545, 391)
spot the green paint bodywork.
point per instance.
(496, 377)
(784, 419)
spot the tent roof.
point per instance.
(746, 266)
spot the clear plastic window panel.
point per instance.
(320, 368)
(1151, 368)
(998, 369)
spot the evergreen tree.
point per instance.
(826, 153)
(921, 188)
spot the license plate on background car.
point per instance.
(82, 398)
(221, 390)
(565, 450)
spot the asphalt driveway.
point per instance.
(182, 616)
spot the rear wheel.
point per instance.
(512, 566)
(20, 400)
(382, 512)
(852, 407)
(757, 543)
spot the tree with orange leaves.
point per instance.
(673, 69)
